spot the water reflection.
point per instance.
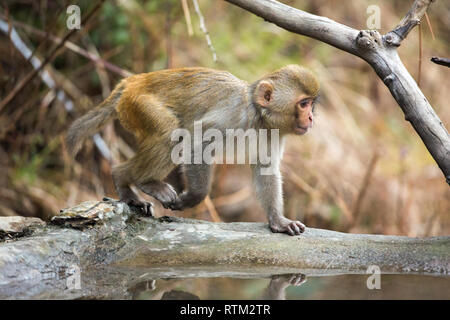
(295, 286)
(191, 283)
(274, 291)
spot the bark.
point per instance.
(112, 245)
(380, 51)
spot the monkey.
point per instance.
(152, 105)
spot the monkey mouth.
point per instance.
(300, 130)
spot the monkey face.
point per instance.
(304, 116)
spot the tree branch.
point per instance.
(301, 22)
(380, 52)
(441, 61)
(412, 19)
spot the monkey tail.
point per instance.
(92, 121)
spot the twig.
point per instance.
(420, 55)
(411, 19)
(187, 16)
(305, 187)
(49, 58)
(429, 26)
(75, 48)
(20, 45)
(168, 32)
(48, 80)
(212, 210)
(205, 31)
(441, 61)
(297, 180)
(233, 198)
(364, 186)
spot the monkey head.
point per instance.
(286, 99)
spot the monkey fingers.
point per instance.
(176, 205)
(288, 226)
(187, 199)
(161, 191)
(144, 208)
(285, 280)
(297, 279)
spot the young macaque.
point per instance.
(153, 105)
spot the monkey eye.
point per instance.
(304, 103)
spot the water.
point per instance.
(229, 283)
(318, 287)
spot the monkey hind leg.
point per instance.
(198, 184)
(148, 168)
(152, 123)
(161, 191)
(151, 165)
(127, 195)
(176, 179)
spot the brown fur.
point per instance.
(152, 105)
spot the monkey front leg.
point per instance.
(269, 191)
(198, 184)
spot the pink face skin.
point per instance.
(304, 116)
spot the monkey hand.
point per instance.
(141, 207)
(186, 200)
(285, 225)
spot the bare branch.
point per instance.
(54, 52)
(412, 19)
(48, 80)
(75, 48)
(301, 22)
(441, 61)
(205, 31)
(187, 16)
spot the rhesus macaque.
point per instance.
(152, 105)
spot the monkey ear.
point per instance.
(264, 93)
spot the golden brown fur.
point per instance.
(152, 105)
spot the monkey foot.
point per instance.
(142, 207)
(284, 225)
(285, 280)
(161, 191)
(186, 200)
(297, 279)
(177, 204)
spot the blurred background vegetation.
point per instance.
(361, 169)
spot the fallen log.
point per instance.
(95, 235)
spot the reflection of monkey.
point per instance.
(138, 288)
(278, 284)
(274, 291)
(154, 104)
